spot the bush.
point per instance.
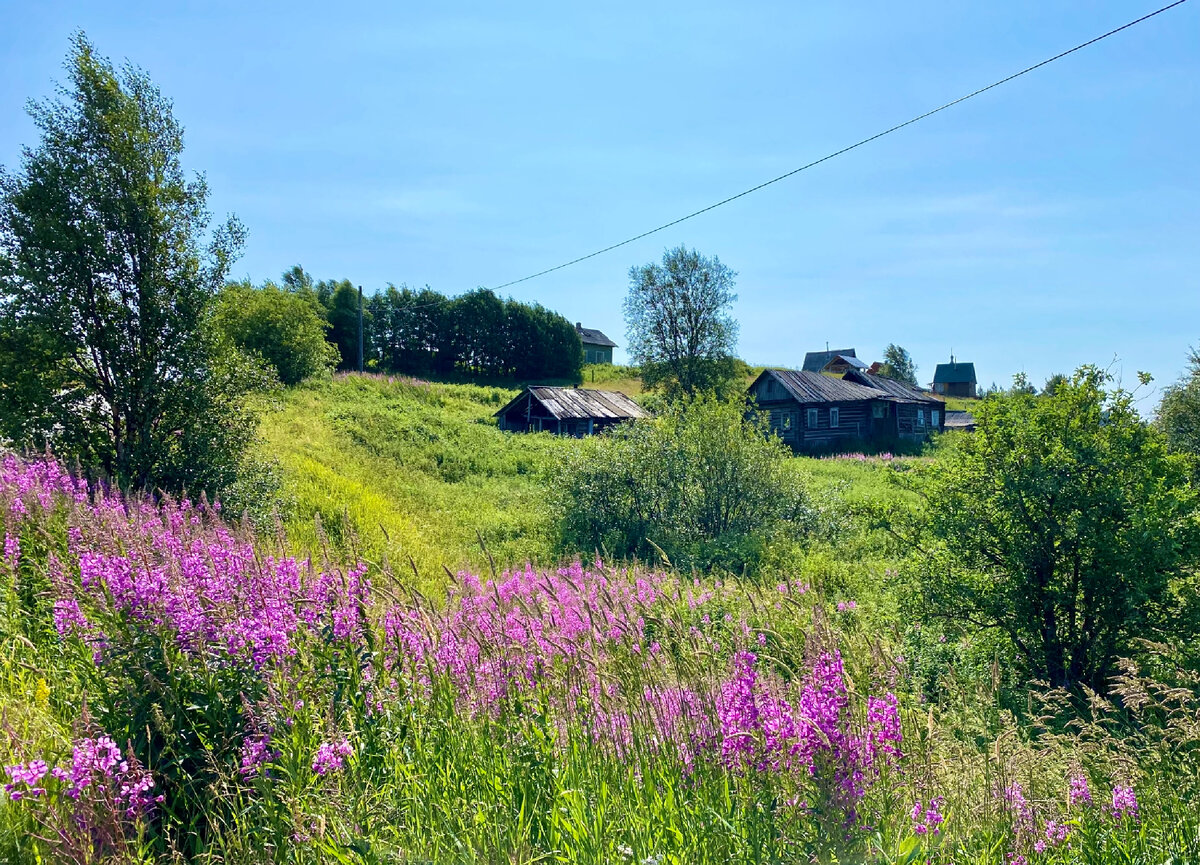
(1064, 523)
(284, 329)
(703, 483)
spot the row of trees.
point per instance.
(407, 331)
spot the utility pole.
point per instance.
(360, 345)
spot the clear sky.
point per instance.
(1049, 223)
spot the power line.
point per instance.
(830, 156)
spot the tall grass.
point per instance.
(310, 710)
(413, 470)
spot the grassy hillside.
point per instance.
(406, 468)
(412, 469)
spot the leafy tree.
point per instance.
(898, 365)
(106, 291)
(1179, 411)
(1053, 384)
(1062, 521)
(342, 306)
(279, 326)
(680, 328)
(701, 482)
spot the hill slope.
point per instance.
(412, 469)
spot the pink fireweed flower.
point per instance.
(1124, 802)
(256, 752)
(1079, 793)
(331, 756)
(1056, 833)
(928, 819)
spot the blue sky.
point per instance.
(1049, 223)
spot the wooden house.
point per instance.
(955, 379)
(597, 348)
(567, 411)
(811, 411)
(815, 361)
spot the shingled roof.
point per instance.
(815, 387)
(568, 403)
(954, 373)
(815, 361)
(591, 336)
(898, 389)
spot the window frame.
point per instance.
(835, 416)
(813, 418)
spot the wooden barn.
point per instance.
(813, 411)
(567, 411)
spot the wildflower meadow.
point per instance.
(179, 687)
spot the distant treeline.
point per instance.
(423, 332)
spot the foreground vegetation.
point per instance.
(272, 709)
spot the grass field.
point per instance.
(411, 469)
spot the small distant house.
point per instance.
(567, 411)
(955, 379)
(815, 361)
(812, 411)
(840, 364)
(597, 348)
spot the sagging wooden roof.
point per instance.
(568, 403)
(897, 389)
(816, 387)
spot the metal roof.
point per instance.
(815, 387)
(568, 403)
(954, 373)
(895, 388)
(591, 336)
(815, 361)
(849, 359)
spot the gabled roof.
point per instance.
(569, 403)
(591, 336)
(815, 361)
(815, 387)
(894, 388)
(954, 373)
(848, 359)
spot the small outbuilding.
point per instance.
(815, 361)
(955, 379)
(576, 412)
(840, 364)
(597, 348)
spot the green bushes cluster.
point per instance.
(703, 484)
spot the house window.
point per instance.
(920, 417)
(787, 421)
(878, 410)
(812, 418)
(935, 417)
(833, 418)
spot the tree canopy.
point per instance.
(677, 315)
(106, 291)
(283, 328)
(1179, 411)
(1062, 521)
(898, 365)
